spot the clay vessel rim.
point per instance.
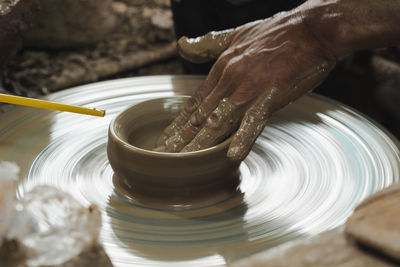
(194, 154)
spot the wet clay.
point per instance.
(219, 125)
(146, 136)
(205, 48)
(164, 179)
(175, 196)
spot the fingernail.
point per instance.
(190, 105)
(174, 143)
(213, 121)
(234, 153)
(199, 116)
(194, 119)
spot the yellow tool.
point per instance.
(37, 103)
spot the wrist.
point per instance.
(345, 26)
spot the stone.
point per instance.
(94, 256)
(60, 222)
(47, 227)
(8, 186)
(16, 17)
(71, 24)
(12, 252)
(376, 222)
(162, 19)
(119, 7)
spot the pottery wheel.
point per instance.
(314, 162)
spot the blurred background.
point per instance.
(51, 45)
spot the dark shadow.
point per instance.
(378, 254)
(182, 233)
(190, 195)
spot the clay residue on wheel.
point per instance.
(205, 48)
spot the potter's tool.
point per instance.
(37, 103)
(313, 163)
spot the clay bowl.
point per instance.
(162, 179)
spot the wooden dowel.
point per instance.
(37, 103)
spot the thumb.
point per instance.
(207, 47)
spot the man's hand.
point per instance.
(262, 67)
(265, 65)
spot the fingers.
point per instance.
(271, 71)
(198, 107)
(226, 117)
(220, 124)
(253, 123)
(191, 105)
(195, 122)
(205, 48)
(278, 96)
(198, 118)
(179, 121)
(191, 120)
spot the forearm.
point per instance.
(345, 26)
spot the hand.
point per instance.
(262, 66)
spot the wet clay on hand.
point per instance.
(267, 64)
(205, 48)
(219, 125)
